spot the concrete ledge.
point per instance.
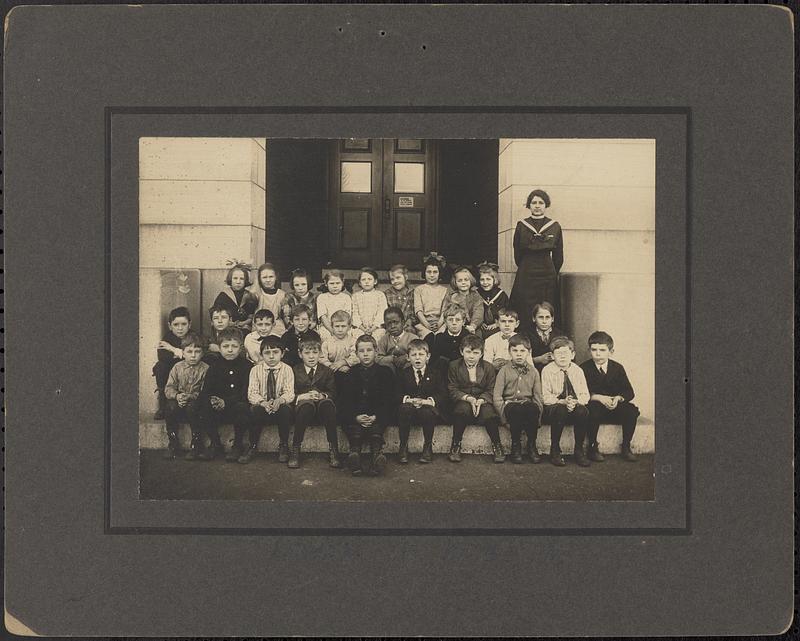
(152, 435)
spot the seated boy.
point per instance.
(367, 394)
(496, 347)
(270, 393)
(181, 391)
(446, 345)
(518, 397)
(470, 382)
(315, 393)
(169, 353)
(224, 395)
(220, 319)
(300, 330)
(339, 351)
(393, 344)
(423, 395)
(610, 395)
(565, 397)
(263, 324)
(401, 295)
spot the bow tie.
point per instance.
(504, 337)
(522, 369)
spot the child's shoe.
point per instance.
(455, 452)
(402, 453)
(248, 455)
(516, 452)
(427, 453)
(497, 449)
(354, 460)
(580, 457)
(162, 402)
(594, 454)
(196, 448)
(333, 456)
(174, 446)
(533, 453)
(294, 457)
(283, 453)
(627, 455)
(556, 458)
(377, 460)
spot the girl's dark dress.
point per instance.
(539, 254)
(241, 305)
(493, 301)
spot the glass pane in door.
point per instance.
(409, 177)
(356, 177)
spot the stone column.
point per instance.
(201, 201)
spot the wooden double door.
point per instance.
(382, 201)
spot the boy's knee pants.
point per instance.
(235, 412)
(324, 411)
(624, 414)
(558, 416)
(523, 417)
(189, 413)
(463, 416)
(408, 415)
(259, 418)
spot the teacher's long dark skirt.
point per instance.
(536, 281)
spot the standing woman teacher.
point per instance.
(539, 254)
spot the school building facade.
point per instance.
(355, 202)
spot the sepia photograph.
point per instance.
(397, 319)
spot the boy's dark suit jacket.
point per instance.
(447, 346)
(290, 340)
(458, 382)
(432, 386)
(614, 383)
(227, 380)
(380, 398)
(323, 380)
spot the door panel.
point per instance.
(382, 201)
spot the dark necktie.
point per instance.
(419, 376)
(568, 390)
(311, 374)
(271, 385)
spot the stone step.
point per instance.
(152, 435)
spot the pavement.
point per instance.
(476, 478)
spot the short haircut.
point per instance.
(271, 342)
(546, 306)
(461, 270)
(472, 342)
(297, 310)
(191, 338)
(299, 273)
(333, 273)
(309, 343)
(218, 309)
(538, 192)
(507, 311)
(454, 308)
(418, 343)
(486, 269)
(366, 338)
(340, 315)
(393, 309)
(602, 338)
(561, 341)
(519, 339)
(179, 312)
(399, 267)
(368, 270)
(230, 334)
(244, 270)
(264, 313)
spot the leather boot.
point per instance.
(516, 453)
(556, 458)
(248, 454)
(294, 457)
(235, 453)
(197, 448)
(283, 452)
(174, 446)
(378, 459)
(594, 454)
(499, 456)
(427, 453)
(162, 404)
(533, 453)
(354, 459)
(402, 453)
(455, 452)
(333, 456)
(627, 455)
(215, 449)
(580, 456)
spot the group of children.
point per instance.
(410, 357)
